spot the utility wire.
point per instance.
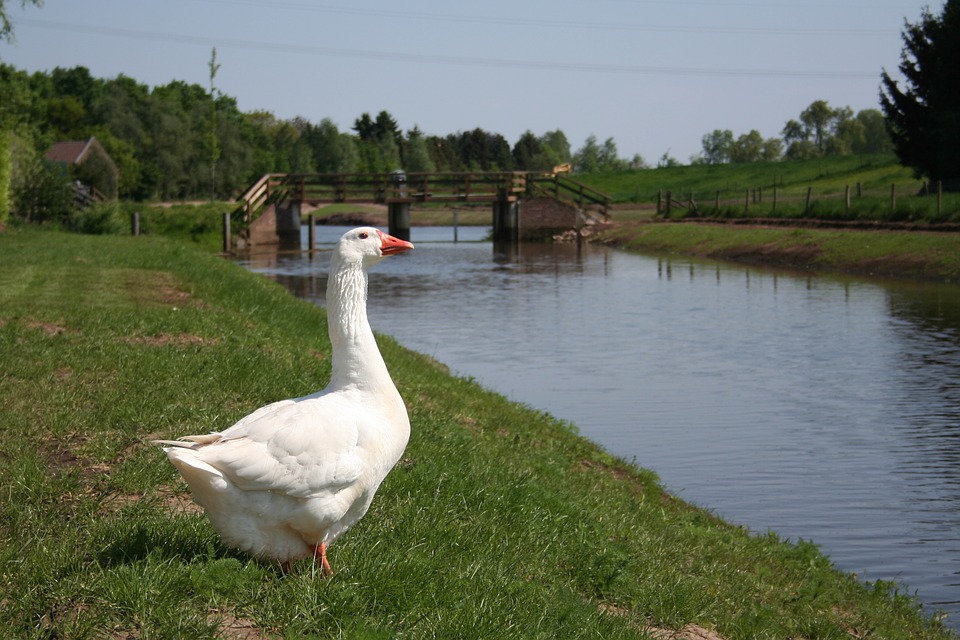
(555, 24)
(462, 61)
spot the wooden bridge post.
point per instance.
(398, 219)
(227, 245)
(311, 234)
(288, 224)
(506, 220)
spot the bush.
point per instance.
(101, 218)
(41, 193)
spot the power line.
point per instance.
(396, 56)
(557, 24)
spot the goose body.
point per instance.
(285, 481)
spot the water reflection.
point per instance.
(822, 408)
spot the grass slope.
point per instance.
(499, 521)
(902, 254)
(824, 175)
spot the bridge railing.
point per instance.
(565, 189)
(400, 187)
(382, 188)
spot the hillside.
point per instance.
(824, 175)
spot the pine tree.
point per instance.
(924, 118)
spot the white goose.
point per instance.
(284, 482)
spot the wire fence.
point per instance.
(891, 204)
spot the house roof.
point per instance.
(69, 152)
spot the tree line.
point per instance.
(819, 131)
(183, 141)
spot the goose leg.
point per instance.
(320, 553)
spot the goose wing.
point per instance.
(301, 448)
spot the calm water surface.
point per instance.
(821, 408)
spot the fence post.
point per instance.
(226, 233)
(311, 234)
(893, 197)
(135, 224)
(774, 198)
(846, 200)
(809, 193)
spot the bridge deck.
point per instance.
(398, 187)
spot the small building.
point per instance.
(89, 163)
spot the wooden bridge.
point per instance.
(283, 194)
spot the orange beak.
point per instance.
(390, 245)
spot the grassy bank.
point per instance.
(499, 521)
(781, 189)
(901, 254)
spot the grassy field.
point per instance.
(500, 521)
(747, 190)
(824, 175)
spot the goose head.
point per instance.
(366, 246)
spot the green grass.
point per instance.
(933, 256)
(499, 521)
(824, 175)
(200, 224)
(780, 190)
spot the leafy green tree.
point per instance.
(379, 143)
(847, 133)
(15, 107)
(385, 126)
(364, 127)
(772, 150)
(42, 192)
(556, 145)
(445, 152)
(876, 138)
(416, 154)
(526, 151)
(637, 163)
(333, 151)
(821, 130)
(666, 161)
(816, 119)
(609, 158)
(6, 176)
(480, 150)
(124, 156)
(66, 117)
(587, 157)
(540, 153)
(924, 117)
(747, 148)
(214, 143)
(717, 146)
(6, 26)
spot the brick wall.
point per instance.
(545, 217)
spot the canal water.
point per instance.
(823, 408)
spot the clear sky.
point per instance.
(655, 75)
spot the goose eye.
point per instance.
(364, 235)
